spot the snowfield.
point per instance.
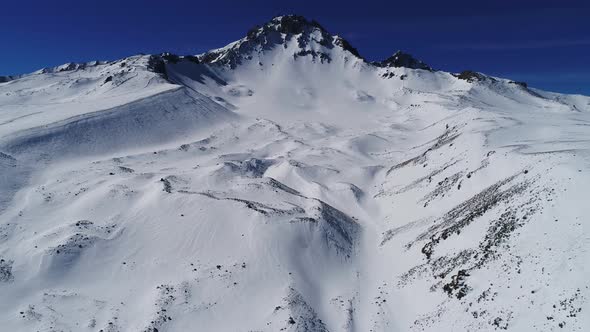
(284, 183)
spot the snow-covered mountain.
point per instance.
(284, 183)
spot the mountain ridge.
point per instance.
(260, 35)
(265, 36)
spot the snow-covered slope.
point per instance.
(283, 183)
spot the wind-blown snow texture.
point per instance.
(283, 183)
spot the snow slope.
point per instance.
(283, 183)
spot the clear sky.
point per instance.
(545, 43)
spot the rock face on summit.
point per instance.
(312, 39)
(284, 183)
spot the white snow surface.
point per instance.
(290, 193)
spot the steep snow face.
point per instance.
(282, 183)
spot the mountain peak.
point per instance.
(310, 37)
(287, 24)
(403, 59)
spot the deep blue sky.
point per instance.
(545, 43)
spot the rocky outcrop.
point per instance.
(402, 59)
(310, 36)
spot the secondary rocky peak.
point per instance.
(402, 59)
(473, 76)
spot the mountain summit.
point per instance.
(309, 37)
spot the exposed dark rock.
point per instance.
(191, 58)
(388, 75)
(252, 205)
(303, 317)
(293, 24)
(465, 213)
(157, 65)
(447, 137)
(6, 271)
(169, 57)
(4, 79)
(167, 185)
(457, 286)
(252, 167)
(472, 76)
(315, 55)
(340, 230)
(346, 46)
(442, 188)
(126, 169)
(277, 32)
(401, 59)
(73, 245)
(279, 185)
(521, 84)
(83, 223)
